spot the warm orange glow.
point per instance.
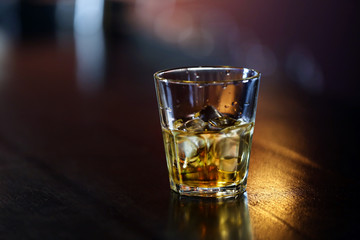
(220, 219)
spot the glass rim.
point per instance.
(157, 75)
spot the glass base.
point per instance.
(215, 192)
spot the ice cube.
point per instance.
(221, 123)
(227, 150)
(178, 124)
(228, 164)
(194, 125)
(207, 113)
(189, 149)
(186, 148)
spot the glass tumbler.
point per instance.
(207, 116)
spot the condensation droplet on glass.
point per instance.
(168, 109)
(227, 72)
(226, 106)
(233, 103)
(225, 86)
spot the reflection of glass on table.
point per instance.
(209, 218)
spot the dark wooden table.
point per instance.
(88, 163)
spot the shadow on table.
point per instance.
(208, 218)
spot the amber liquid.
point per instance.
(208, 159)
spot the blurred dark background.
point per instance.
(80, 139)
(306, 50)
(312, 44)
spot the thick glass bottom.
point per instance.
(215, 192)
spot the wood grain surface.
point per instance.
(78, 164)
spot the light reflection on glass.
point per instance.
(89, 43)
(4, 54)
(209, 218)
(88, 16)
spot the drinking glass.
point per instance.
(207, 116)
